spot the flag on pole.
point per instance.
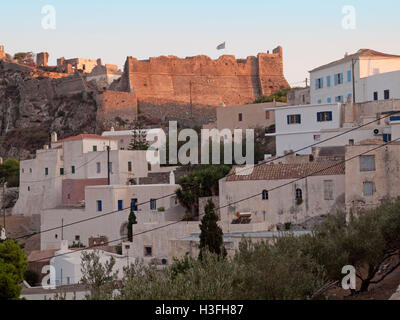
(221, 46)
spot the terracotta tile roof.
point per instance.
(41, 255)
(85, 136)
(368, 53)
(371, 141)
(291, 171)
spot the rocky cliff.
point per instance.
(32, 104)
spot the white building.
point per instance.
(106, 213)
(59, 174)
(67, 265)
(298, 127)
(376, 77)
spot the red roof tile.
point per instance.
(85, 136)
(290, 171)
(360, 53)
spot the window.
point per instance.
(387, 137)
(148, 251)
(153, 204)
(69, 196)
(349, 96)
(303, 98)
(129, 166)
(134, 204)
(324, 116)
(73, 169)
(98, 166)
(348, 75)
(386, 94)
(299, 194)
(319, 83)
(30, 170)
(319, 101)
(99, 206)
(61, 171)
(46, 171)
(294, 118)
(148, 166)
(22, 170)
(120, 205)
(328, 189)
(328, 81)
(265, 195)
(29, 188)
(329, 100)
(240, 117)
(77, 238)
(267, 115)
(367, 163)
(375, 95)
(339, 99)
(94, 148)
(110, 167)
(368, 188)
(338, 78)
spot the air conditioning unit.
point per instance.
(377, 132)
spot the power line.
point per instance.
(241, 200)
(236, 172)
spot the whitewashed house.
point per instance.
(376, 77)
(298, 127)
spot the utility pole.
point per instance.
(354, 85)
(62, 229)
(191, 102)
(108, 165)
(4, 203)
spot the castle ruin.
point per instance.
(200, 80)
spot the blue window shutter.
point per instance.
(349, 76)
(322, 82)
(288, 120)
(318, 116)
(335, 76)
(328, 81)
(299, 118)
(99, 205)
(134, 204)
(120, 205)
(341, 77)
(330, 116)
(329, 100)
(316, 84)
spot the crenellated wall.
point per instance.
(204, 81)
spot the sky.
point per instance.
(311, 32)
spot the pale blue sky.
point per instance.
(310, 31)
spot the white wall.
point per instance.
(297, 136)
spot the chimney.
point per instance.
(64, 246)
(53, 137)
(172, 178)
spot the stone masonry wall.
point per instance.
(205, 81)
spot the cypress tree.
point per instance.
(131, 222)
(211, 236)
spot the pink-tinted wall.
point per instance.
(73, 190)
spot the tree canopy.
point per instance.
(13, 264)
(9, 171)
